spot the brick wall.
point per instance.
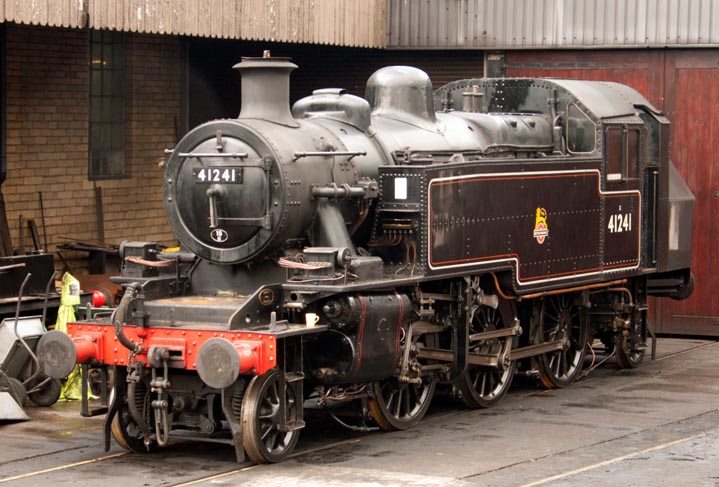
(47, 106)
(134, 207)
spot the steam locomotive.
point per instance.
(352, 254)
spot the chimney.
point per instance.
(266, 88)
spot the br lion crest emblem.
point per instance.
(541, 230)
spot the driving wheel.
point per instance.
(485, 386)
(559, 318)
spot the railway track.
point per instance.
(219, 463)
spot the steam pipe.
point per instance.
(598, 285)
(336, 192)
(119, 315)
(331, 226)
(540, 294)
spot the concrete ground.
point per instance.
(654, 425)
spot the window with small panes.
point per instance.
(107, 105)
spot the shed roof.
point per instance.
(336, 22)
(397, 24)
(550, 24)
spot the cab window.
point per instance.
(581, 131)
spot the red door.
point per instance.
(692, 104)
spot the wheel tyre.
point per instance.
(120, 428)
(119, 434)
(390, 402)
(261, 437)
(17, 391)
(48, 394)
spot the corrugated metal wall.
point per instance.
(531, 24)
(414, 24)
(339, 22)
(58, 13)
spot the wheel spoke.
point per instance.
(273, 395)
(398, 406)
(406, 403)
(416, 393)
(558, 364)
(392, 399)
(268, 430)
(555, 311)
(270, 439)
(493, 382)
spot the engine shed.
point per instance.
(161, 78)
(516, 196)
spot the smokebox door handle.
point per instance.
(215, 193)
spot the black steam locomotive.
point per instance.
(352, 254)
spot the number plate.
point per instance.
(218, 174)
